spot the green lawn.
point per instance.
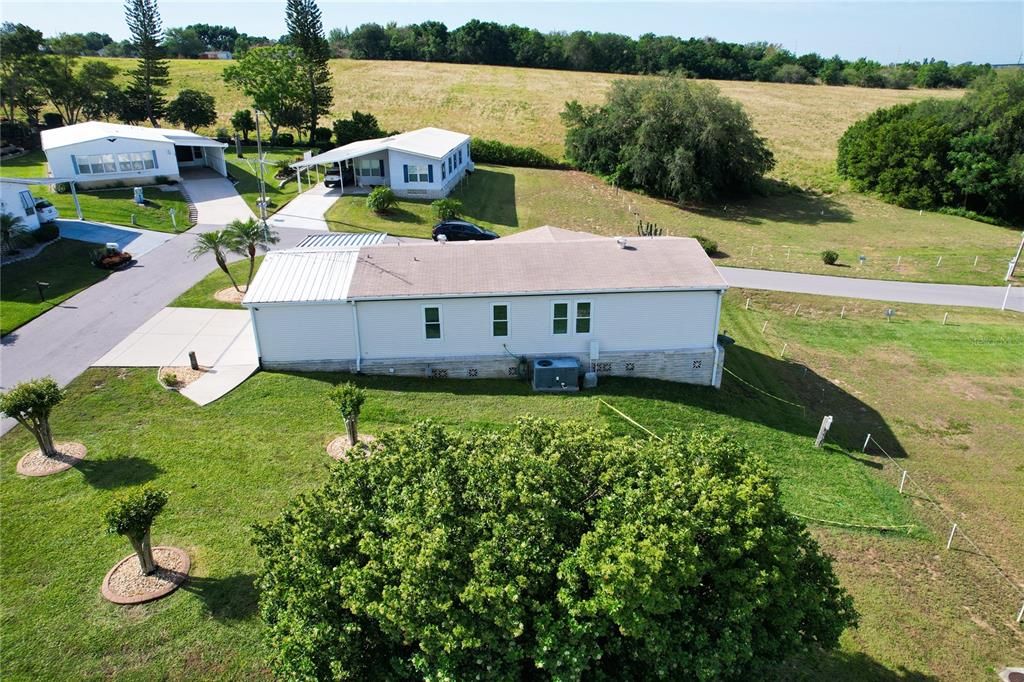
(245, 171)
(239, 460)
(113, 206)
(201, 294)
(64, 264)
(784, 232)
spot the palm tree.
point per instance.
(217, 242)
(10, 225)
(249, 237)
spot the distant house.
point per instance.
(215, 54)
(17, 200)
(425, 163)
(645, 307)
(97, 153)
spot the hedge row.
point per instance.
(493, 151)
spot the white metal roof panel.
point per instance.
(303, 276)
(433, 143)
(97, 130)
(341, 240)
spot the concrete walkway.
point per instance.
(222, 340)
(306, 211)
(135, 241)
(878, 290)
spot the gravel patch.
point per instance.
(35, 463)
(126, 584)
(230, 295)
(339, 447)
(186, 375)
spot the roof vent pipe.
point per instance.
(621, 241)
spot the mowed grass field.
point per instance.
(925, 612)
(521, 106)
(786, 232)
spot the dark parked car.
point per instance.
(462, 231)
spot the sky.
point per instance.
(978, 31)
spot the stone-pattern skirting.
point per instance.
(691, 366)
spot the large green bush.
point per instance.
(669, 137)
(381, 199)
(493, 151)
(966, 154)
(447, 209)
(544, 551)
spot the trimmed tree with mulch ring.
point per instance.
(30, 403)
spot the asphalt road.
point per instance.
(879, 290)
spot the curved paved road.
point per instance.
(876, 289)
(66, 340)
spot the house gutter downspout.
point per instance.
(359, 345)
(714, 340)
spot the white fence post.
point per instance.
(1020, 614)
(826, 423)
(944, 318)
(938, 262)
(952, 532)
(797, 311)
(784, 347)
(764, 326)
(903, 481)
(898, 260)
(865, 448)
(842, 313)
(747, 307)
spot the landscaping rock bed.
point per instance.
(35, 463)
(339, 448)
(230, 295)
(184, 375)
(126, 584)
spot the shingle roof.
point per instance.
(97, 130)
(545, 260)
(522, 266)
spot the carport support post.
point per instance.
(74, 195)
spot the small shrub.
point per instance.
(348, 399)
(47, 232)
(381, 199)
(829, 257)
(53, 120)
(323, 135)
(447, 209)
(493, 151)
(710, 246)
(223, 135)
(171, 379)
(285, 139)
(61, 188)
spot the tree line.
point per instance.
(484, 42)
(964, 156)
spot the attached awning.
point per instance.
(351, 150)
(197, 141)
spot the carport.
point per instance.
(199, 152)
(31, 182)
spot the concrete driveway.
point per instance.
(221, 339)
(216, 201)
(306, 211)
(137, 242)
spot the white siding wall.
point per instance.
(370, 181)
(294, 333)
(61, 165)
(628, 321)
(441, 185)
(10, 202)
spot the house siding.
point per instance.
(10, 202)
(442, 184)
(61, 165)
(646, 334)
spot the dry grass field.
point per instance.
(521, 106)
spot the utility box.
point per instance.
(140, 198)
(556, 375)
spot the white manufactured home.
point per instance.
(17, 200)
(105, 154)
(425, 163)
(645, 307)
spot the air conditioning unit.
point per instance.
(556, 374)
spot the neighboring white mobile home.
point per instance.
(645, 307)
(103, 154)
(425, 163)
(17, 200)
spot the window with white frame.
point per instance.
(369, 168)
(560, 317)
(583, 314)
(499, 319)
(98, 164)
(432, 322)
(419, 173)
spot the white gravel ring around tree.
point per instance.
(35, 463)
(126, 584)
(339, 447)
